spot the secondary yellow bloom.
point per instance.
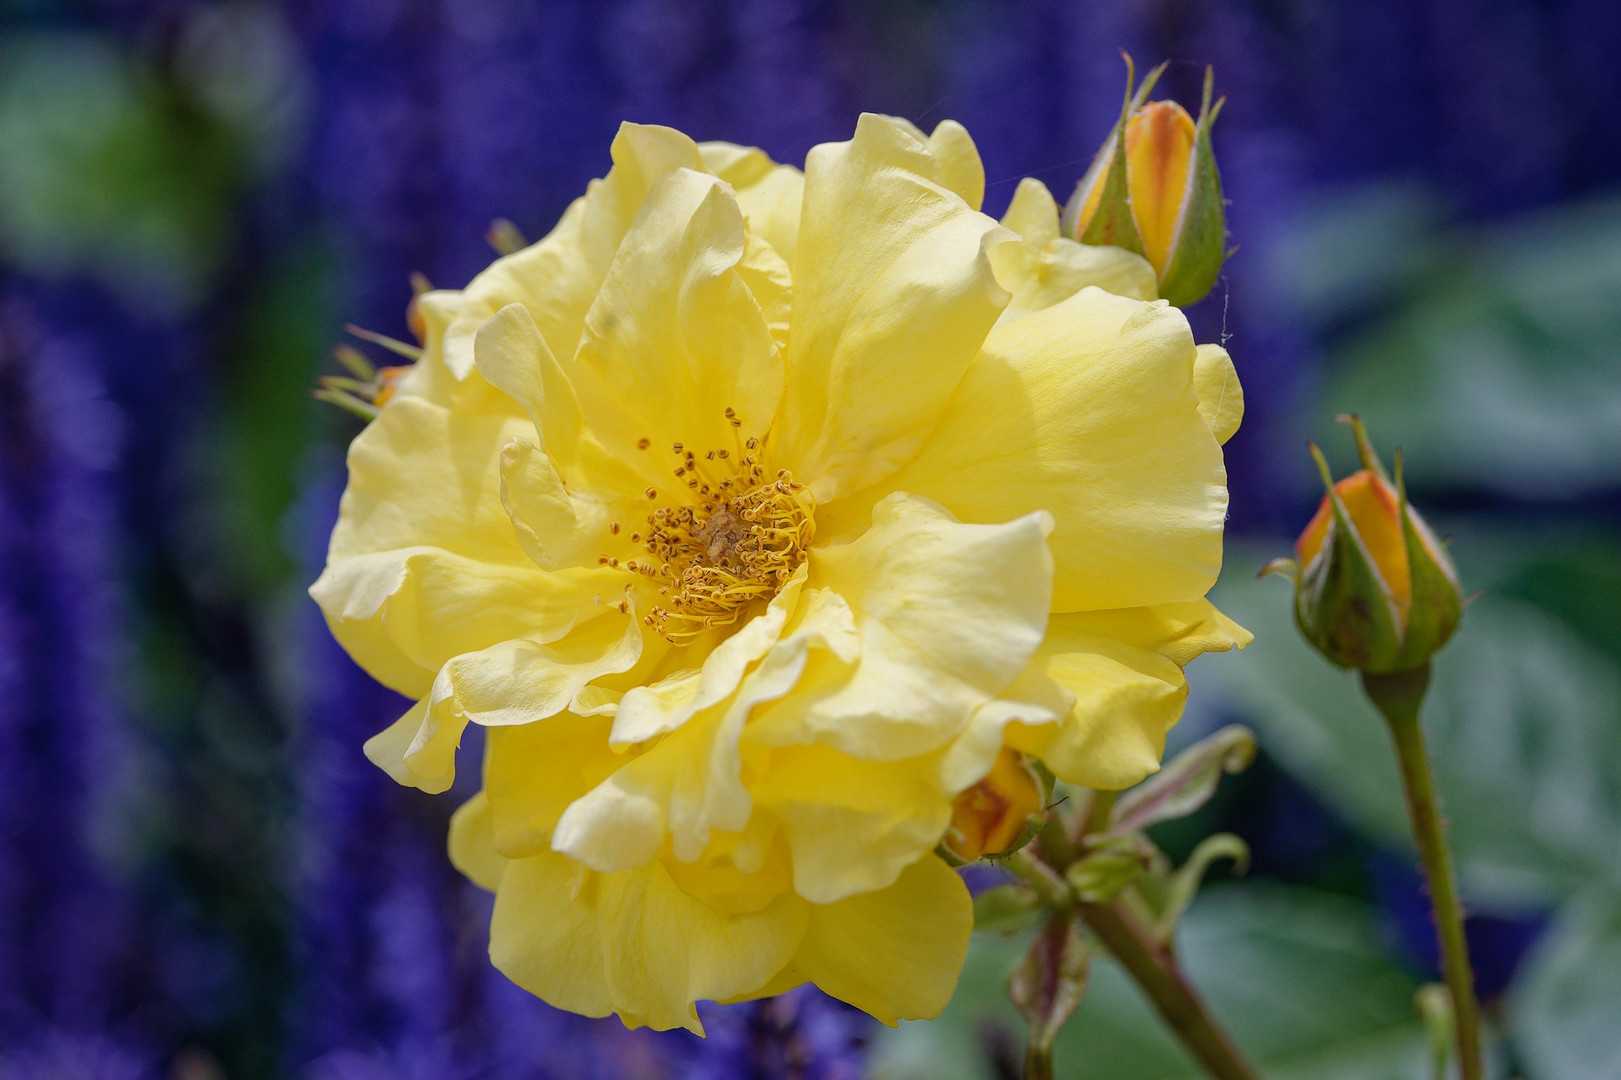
(754, 513)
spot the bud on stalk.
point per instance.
(1374, 589)
(1153, 189)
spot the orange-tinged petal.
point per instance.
(1159, 160)
(989, 817)
(1375, 511)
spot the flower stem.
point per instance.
(1148, 962)
(1161, 979)
(1399, 697)
(1038, 1062)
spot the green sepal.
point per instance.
(1282, 566)
(1182, 886)
(1186, 783)
(355, 362)
(1113, 224)
(1364, 445)
(1437, 604)
(1111, 864)
(1200, 246)
(347, 402)
(1048, 985)
(504, 237)
(1343, 606)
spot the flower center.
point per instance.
(729, 550)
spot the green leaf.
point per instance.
(1565, 1013)
(1493, 362)
(1523, 720)
(1298, 977)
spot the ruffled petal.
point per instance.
(895, 953)
(953, 149)
(1127, 696)
(557, 278)
(403, 614)
(557, 527)
(1221, 398)
(852, 825)
(772, 208)
(533, 771)
(424, 563)
(633, 942)
(675, 325)
(421, 475)
(545, 935)
(690, 782)
(1179, 632)
(513, 356)
(471, 849)
(646, 712)
(740, 166)
(1044, 268)
(947, 614)
(514, 682)
(1085, 409)
(893, 294)
(667, 949)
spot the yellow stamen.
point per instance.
(730, 552)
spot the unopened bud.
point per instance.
(1374, 588)
(1154, 189)
(991, 817)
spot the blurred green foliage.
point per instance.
(1493, 359)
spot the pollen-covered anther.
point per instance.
(730, 554)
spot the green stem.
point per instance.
(1038, 1062)
(1161, 979)
(1097, 812)
(1148, 962)
(1054, 892)
(1399, 698)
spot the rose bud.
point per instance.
(1153, 189)
(1374, 588)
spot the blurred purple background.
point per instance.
(200, 876)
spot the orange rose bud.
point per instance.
(990, 818)
(1161, 198)
(1374, 589)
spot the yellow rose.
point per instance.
(754, 513)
